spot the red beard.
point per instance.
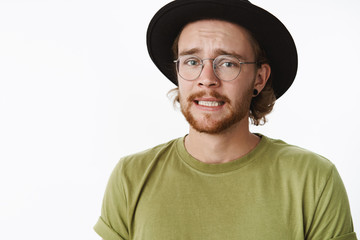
(238, 111)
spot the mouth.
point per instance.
(209, 103)
(212, 101)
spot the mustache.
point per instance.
(213, 94)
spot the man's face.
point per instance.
(211, 105)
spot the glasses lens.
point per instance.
(226, 67)
(189, 67)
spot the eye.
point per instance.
(227, 62)
(192, 62)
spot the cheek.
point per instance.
(236, 92)
(234, 89)
(184, 87)
(182, 94)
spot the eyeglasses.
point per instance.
(225, 67)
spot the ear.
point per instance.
(262, 76)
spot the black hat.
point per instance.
(271, 34)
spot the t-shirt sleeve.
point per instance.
(112, 224)
(332, 218)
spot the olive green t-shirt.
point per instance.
(277, 191)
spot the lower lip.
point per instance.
(208, 108)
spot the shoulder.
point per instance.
(146, 156)
(303, 170)
(295, 158)
(138, 163)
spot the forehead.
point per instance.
(215, 36)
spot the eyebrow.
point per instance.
(190, 51)
(217, 52)
(223, 52)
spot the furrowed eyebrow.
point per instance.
(223, 52)
(217, 52)
(191, 51)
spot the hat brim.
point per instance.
(271, 34)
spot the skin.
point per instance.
(205, 142)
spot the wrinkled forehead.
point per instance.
(213, 21)
(219, 34)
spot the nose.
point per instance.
(207, 77)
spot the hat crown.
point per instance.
(214, 0)
(218, 1)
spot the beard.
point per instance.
(237, 112)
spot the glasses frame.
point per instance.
(213, 66)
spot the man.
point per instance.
(231, 61)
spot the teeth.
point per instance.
(209, 103)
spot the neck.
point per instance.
(227, 146)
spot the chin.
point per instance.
(215, 127)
